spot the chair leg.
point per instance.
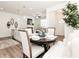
(24, 56)
(41, 55)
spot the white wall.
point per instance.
(53, 18)
(4, 18)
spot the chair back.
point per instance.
(25, 43)
(51, 31)
(29, 30)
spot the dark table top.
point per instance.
(43, 40)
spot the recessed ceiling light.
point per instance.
(18, 18)
(1, 8)
(24, 17)
(30, 8)
(36, 17)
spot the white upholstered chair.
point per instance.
(29, 30)
(29, 50)
(51, 31)
(17, 36)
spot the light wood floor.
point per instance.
(60, 38)
(11, 52)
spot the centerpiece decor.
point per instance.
(41, 32)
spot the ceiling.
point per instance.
(27, 8)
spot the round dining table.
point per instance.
(45, 42)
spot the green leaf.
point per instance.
(71, 15)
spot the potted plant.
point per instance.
(71, 17)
